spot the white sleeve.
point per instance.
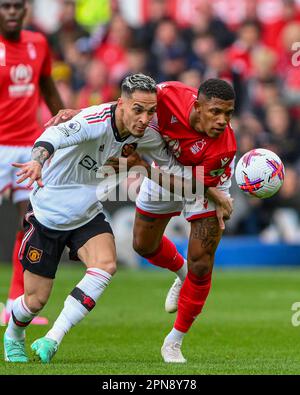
(72, 132)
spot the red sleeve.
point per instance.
(211, 178)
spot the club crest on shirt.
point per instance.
(31, 51)
(198, 146)
(34, 255)
(2, 54)
(128, 149)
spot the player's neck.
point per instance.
(123, 132)
(11, 36)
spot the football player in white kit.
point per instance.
(64, 209)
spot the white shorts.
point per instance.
(8, 173)
(150, 203)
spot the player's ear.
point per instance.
(197, 106)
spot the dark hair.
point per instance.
(216, 88)
(138, 82)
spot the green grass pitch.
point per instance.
(245, 327)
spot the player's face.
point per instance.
(12, 13)
(212, 116)
(137, 111)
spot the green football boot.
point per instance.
(14, 350)
(45, 349)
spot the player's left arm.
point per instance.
(50, 94)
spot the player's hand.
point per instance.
(223, 214)
(61, 116)
(224, 205)
(31, 170)
(133, 160)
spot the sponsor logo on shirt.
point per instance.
(174, 119)
(198, 146)
(21, 77)
(89, 163)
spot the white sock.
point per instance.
(20, 318)
(9, 304)
(182, 272)
(80, 302)
(175, 336)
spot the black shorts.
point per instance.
(41, 247)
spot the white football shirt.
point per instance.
(70, 196)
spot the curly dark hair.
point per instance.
(217, 88)
(139, 82)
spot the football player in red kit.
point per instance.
(25, 72)
(196, 128)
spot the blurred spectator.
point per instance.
(97, 88)
(283, 210)
(248, 39)
(205, 21)
(68, 31)
(265, 86)
(137, 61)
(286, 11)
(168, 52)
(191, 77)
(112, 51)
(283, 133)
(218, 66)
(78, 59)
(155, 11)
(202, 45)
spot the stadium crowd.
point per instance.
(254, 44)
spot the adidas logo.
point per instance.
(174, 119)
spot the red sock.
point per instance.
(17, 282)
(166, 256)
(191, 300)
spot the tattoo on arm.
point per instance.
(40, 154)
(208, 232)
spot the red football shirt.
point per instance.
(175, 102)
(22, 63)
